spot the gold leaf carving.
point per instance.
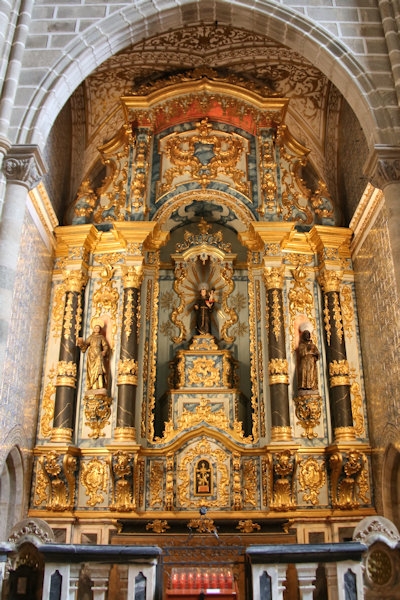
(204, 372)
(312, 477)
(46, 419)
(94, 477)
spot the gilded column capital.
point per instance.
(75, 281)
(278, 371)
(330, 281)
(66, 373)
(383, 165)
(274, 277)
(339, 373)
(24, 165)
(132, 276)
(127, 371)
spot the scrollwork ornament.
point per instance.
(204, 373)
(122, 471)
(308, 411)
(250, 483)
(357, 405)
(276, 311)
(56, 482)
(327, 321)
(337, 316)
(312, 477)
(156, 484)
(347, 310)
(94, 477)
(247, 526)
(68, 315)
(236, 482)
(301, 301)
(283, 470)
(128, 313)
(47, 417)
(347, 473)
(97, 414)
(158, 526)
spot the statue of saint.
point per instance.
(203, 307)
(97, 347)
(308, 354)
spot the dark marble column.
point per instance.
(128, 361)
(338, 367)
(278, 370)
(67, 367)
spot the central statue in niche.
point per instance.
(203, 307)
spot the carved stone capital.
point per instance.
(383, 166)
(24, 165)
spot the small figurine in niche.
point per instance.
(96, 367)
(307, 357)
(203, 307)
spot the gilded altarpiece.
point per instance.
(203, 213)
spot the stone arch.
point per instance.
(391, 484)
(11, 487)
(283, 25)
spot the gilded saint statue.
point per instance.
(307, 357)
(203, 307)
(97, 347)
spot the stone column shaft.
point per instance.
(339, 378)
(277, 364)
(22, 169)
(128, 362)
(67, 368)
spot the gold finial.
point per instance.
(204, 226)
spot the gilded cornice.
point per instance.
(146, 108)
(71, 237)
(134, 234)
(332, 239)
(269, 232)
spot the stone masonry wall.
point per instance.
(69, 38)
(379, 318)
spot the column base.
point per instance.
(344, 434)
(125, 434)
(61, 435)
(281, 434)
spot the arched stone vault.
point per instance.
(87, 52)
